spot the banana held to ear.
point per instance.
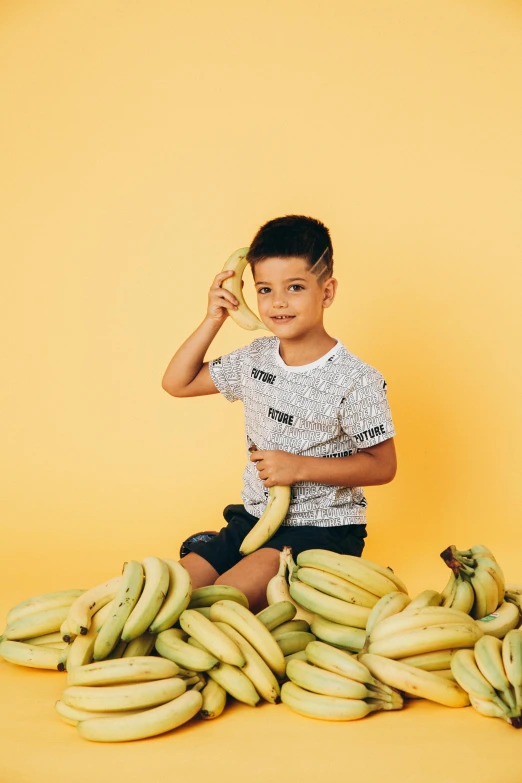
(269, 522)
(243, 316)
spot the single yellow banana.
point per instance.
(422, 600)
(340, 662)
(447, 592)
(277, 614)
(133, 696)
(426, 639)
(43, 602)
(52, 639)
(206, 596)
(138, 669)
(37, 624)
(317, 680)
(512, 658)
(470, 678)
(81, 648)
(330, 608)
(343, 636)
(235, 682)
(501, 621)
(72, 716)
(151, 599)
(211, 637)
(431, 615)
(290, 627)
(486, 594)
(253, 630)
(351, 568)
(142, 645)
(438, 660)
(299, 656)
(388, 573)
(387, 606)
(214, 700)
(34, 656)
(314, 705)
(336, 586)
(493, 568)
(427, 685)
(170, 646)
(90, 602)
(243, 316)
(270, 520)
(147, 723)
(491, 710)
(463, 597)
(488, 657)
(125, 600)
(295, 641)
(257, 671)
(177, 600)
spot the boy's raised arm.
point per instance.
(187, 375)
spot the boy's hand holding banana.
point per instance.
(226, 298)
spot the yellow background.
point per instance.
(141, 144)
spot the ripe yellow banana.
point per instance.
(137, 669)
(340, 662)
(344, 636)
(253, 630)
(142, 645)
(501, 621)
(170, 646)
(90, 602)
(431, 615)
(43, 622)
(488, 657)
(317, 680)
(330, 608)
(353, 569)
(177, 600)
(387, 606)
(463, 596)
(336, 586)
(146, 723)
(314, 705)
(206, 596)
(235, 682)
(290, 627)
(470, 678)
(40, 603)
(419, 683)
(34, 656)
(388, 573)
(257, 671)
(270, 520)
(486, 594)
(211, 637)
(129, 591)
(133, 696)
(426, 639)
(512, 658)
(53, 639)
(448, 590)
(214, 700)
(438, 660)
(298, 656)
(277, 614)
(492, 567)
(151, 599)
(295, 641)
(72, 716)
(422, 600)
(81, 648)
(243, 316)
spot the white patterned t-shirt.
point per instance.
(332, 407)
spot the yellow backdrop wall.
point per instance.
(141, 144)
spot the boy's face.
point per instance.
(290, 298)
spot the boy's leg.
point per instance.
(252, 575)
(201, 572)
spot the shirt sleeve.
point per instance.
(365, 413)
(226, 373)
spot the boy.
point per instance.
(306, 398)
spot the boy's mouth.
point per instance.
(282, 319)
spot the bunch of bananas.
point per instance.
(492, 676)
(477, 586)
(330, 684)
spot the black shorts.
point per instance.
(222, 551)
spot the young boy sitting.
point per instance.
(307, 400)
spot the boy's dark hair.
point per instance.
(295, 235)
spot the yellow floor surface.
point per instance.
(423, 743)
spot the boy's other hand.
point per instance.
(276, 468)
(220, 300)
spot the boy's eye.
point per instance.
(294, 285)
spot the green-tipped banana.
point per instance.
(206, 596)
(133, 696)
(151, 599)
(212, 638)
(314, 705)
(34, 656)
(125, 600)
(294, 641)
(330, 608)
(257, 671)
(471, 679)
(488, 657)
(170, 646)
(270, 520)
(148, 723)
(90, 602)
(253, 630)
(235, 682)
(214, 700)
(177, 600)
(512, 658)
(343, 636)
(277, 614)
(123, 670)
